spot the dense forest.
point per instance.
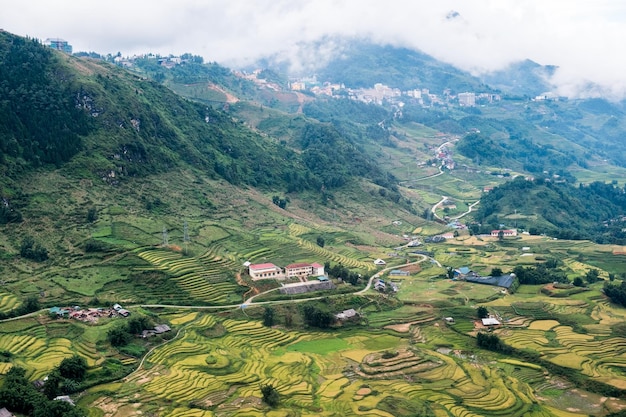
(40, 122)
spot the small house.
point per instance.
(449, 320)
(490, 321)
(122, 312)
(161, 328)
(347, 314)
(379, 262)
(117, 307)
(65, 398)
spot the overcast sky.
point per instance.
(582, 37)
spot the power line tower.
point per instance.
(165, 238)
(186, 237)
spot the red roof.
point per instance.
(316, 265)
(300, 265)
(262, 266)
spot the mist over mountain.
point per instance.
(360, 63)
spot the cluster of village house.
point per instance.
(89, 315)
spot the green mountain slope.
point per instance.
(594, 211)
(126, 158)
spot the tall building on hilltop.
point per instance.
(467, 99)
(58, 44)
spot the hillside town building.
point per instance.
(58, 44)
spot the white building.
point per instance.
(467, 99)
(304, 270)
(265, 271)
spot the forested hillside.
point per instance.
(561, 210)
(101, 122)
(39, 120)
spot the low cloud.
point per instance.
(582, 38)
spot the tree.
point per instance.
(320, 241)
(593, 275)
(270, 395)
(482, 312)
(51, 387)
(92, 215)
(578, 282)
(73, 368)
(138, 324)
(30, 305)
(268, 317)
(496, 272)
(31, 250)
(501, 235)
(119, 336)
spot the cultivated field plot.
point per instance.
(38, 345)
(217, 365)
(427, 291)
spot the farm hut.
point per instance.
(161, 328)
(117, 307)
(379, 262)
(65, 398)
(399, 273)
(124, 313)
(490, 321)
(449, 320)
(347, 314)
(504, 281)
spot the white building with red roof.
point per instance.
(505, 233)
(304, 270)
(265, 271)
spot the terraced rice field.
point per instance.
(38, 352)
(8, 302)
(209, 278)
(221, 375)
(601, 358)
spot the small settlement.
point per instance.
(89, 315)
